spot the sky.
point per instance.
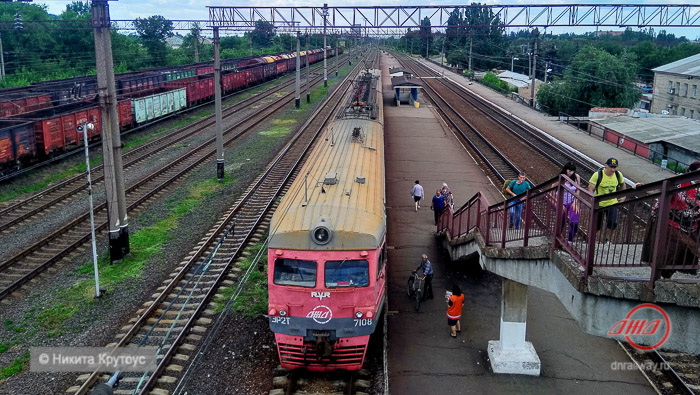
(196, 9)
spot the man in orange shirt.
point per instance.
(454, 310)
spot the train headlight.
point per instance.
(321, 233)
(272, 312)
(358, 314)
(370, 314)
(283, 313)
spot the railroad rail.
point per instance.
(670, 373)
(27, 209)
(15, 174)
(555, 153)
(33, 260)
(300, 382)
(174, 321)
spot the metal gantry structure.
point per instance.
(392, 20)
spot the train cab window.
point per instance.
(295, 272)
(381, 260)
(347, 273)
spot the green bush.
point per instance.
(492, 80)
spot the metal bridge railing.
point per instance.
(656, 225)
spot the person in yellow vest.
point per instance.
(454, 310)
(602, 182)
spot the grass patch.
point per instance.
(252, 300)
(4, 346)
(145, 244)
(10, 326)
(15, 367)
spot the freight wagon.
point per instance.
(18, 103)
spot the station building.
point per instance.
(676, 88)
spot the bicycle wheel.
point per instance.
(409, 290)
(418, 298)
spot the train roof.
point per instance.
(345, 190)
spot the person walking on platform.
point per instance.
(571, 210)
(417, 193)
(427, 269)
(438, 205)
(454, 310)
(447, 193)
(516, 188)
(602, 182)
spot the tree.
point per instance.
(153, 32)
(263, 34)
(425, 36)
(594, 78)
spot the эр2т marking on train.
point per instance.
(327, 249)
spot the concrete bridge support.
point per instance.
(512, 354)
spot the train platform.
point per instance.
(634, 168)
(422, 357)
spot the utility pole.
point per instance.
(217, 109)
(297, 101)
(534, 72)
(325, 70)
(110, 127)
(250, 42)
(470, 51)
(427, 46)
(308, 94)
(442, 52)
(2, 61)
(196, 47)
(336, 55)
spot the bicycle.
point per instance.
(415, 288)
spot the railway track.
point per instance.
(65, 191)
(533, 138)
(670, 373)
(27, 264)
(180, 315)
(300, 383)
(15, 174)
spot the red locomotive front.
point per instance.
(324, 306)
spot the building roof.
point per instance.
(516, 79)
(678, 131)
(403, 82)
(689, 66)
(395, 70)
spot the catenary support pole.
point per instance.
(100, 23)
(2, 61)
(116, 144)
(534, 72)
(217, 109)
(325, 69)
(308, 94)
(336, 55)
(297, 94)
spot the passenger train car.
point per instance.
(327, 247)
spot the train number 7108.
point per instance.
(363, 322)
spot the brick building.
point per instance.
(676, 88)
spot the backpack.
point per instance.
(600, 179)
(504, 189)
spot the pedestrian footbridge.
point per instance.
(600, 276)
